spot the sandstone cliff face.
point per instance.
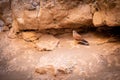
(108, 13)
(46, 14)
(51, 14)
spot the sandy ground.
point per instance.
(20, 60)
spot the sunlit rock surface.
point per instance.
(51, 14)
(47, 43)
(21, 60)
(108, 13)
(66, 13)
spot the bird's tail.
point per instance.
(83, 42)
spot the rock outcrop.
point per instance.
(107, 13)
(51, 14)
(46, 14)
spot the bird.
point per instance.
(79, 39)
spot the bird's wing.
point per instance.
(76, 36)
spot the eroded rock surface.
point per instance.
(20, 60)
(47, 43)
(46, 14)
(30, 36)
(108, 13)
(65, 13)
(51, 14)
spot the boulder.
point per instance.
(107, 13)
(30, 36)
(47, 43)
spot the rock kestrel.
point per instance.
(78, 38)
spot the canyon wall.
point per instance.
(46, 14)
